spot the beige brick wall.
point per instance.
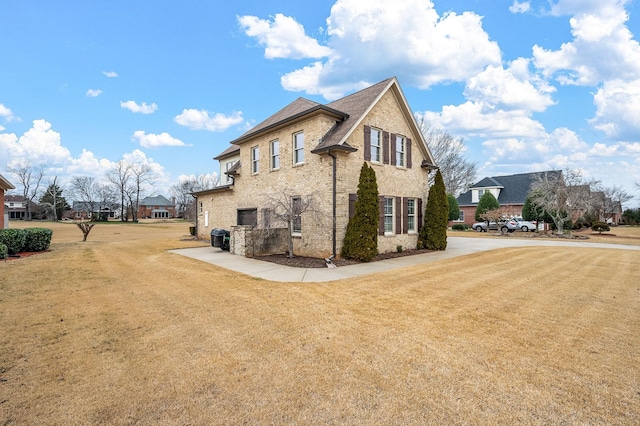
(315, 175)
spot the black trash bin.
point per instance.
(220, 238)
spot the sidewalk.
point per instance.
(456, 246)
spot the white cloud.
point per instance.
(40, 145)
(599, 30)
(199, 119)
(617, 104)
(6, 113)
(375, 39)
(92, 93)
(110, 74)
(151, 140)
(142, 108)
(282, 37)
(511, 88)
(518, 7)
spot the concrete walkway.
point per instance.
(456, 246)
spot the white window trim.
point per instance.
(414, 216)
(392, 215)
(255, 160)
(401, 141)
(376, 148)
(294, 232)
(273, 155)
(296, 150)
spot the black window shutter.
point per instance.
(419, 224)
(408, 153)
(381, 214)
(405, 215)
(352, 204)
(393, 149)
(398, 215)
(367, 143)
(385, 147)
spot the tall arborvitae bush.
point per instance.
(454, 208)
(361, 239)
(433, 234)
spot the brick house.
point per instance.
(510, 191)
(157, 207)
(5, 185)
(308, 147)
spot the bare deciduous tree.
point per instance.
(141, 174)
(29, 177)
(119, 176)
(564, 197)
(458, 173)
(610, 201)
(287, 209)
(182, 191)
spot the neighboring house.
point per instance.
(157, 207)
(608, 210)
(82, 211)
(5, 185)
(511, 192)
(15, 206)
(311, 148)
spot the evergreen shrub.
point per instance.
(37, 239)
(14, 239)
(4, 252)
(361, 238)
(600, 227)
(459, 226)
(433, 233)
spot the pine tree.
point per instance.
(454, 208)
(433, 233)
(487, 202)
(361, 238)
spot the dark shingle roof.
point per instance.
(514, 188)
(158, 200)
(229, 152)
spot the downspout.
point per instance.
(335, 159)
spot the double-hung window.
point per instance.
(228, 166)
(298, 148)
(400, 149)
(376, 144)
(296, 210)
(255, 160)
(411, 215)
(388, 215)
(275, 154)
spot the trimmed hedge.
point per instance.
(600, 227)
(14, 239)
(459, 227)
(4, 252)
(37, 239)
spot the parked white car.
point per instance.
(525, 225)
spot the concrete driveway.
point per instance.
(456, 246)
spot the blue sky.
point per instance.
(529, 85)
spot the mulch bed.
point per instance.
(23, 254)
(314, 262)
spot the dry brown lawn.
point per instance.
(117, 330)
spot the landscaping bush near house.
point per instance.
(14, 239)
(37, 239)
(600, 227)
(459, 227)
(4, 252)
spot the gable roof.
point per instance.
(158, 200)
(348, 111)
(5, 184)
(229, 152)
(513, 188)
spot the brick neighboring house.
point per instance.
(15, 206)
(308, 147)
(5, 185)
(157, 207)
(510, 191)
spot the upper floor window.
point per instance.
(255, 160)
(376, 144)
(275, 154)
(228, 166)
(298, 148)
(400, 151)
